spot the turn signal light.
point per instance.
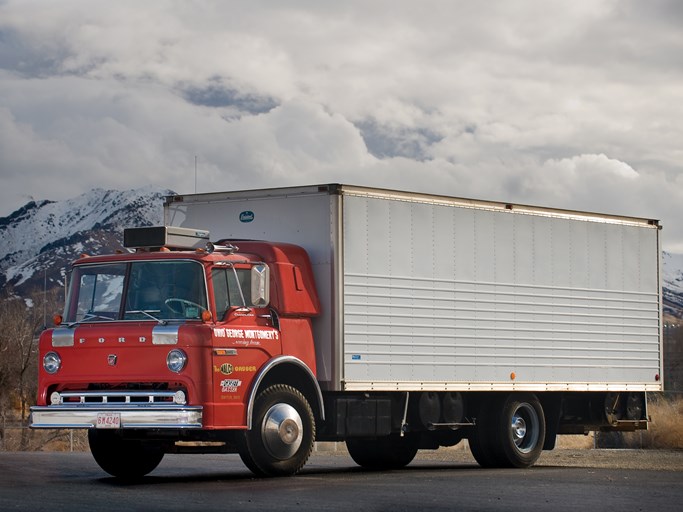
(57, 320)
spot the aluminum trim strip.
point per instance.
(270, 365)
(165, 334)
(499, 386)
(62, 337)
(518, 209)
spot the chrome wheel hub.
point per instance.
(282, 431)
(524, 428)
(518, 428)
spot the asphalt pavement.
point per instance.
(53, 481)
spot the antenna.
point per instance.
(195, 174)
(45, 298)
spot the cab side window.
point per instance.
(226, 289)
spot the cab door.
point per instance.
(244, 339)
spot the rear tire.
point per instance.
(123, 458)
(390, 452)
(510, 432)
(481, 440)
(282, 434)
(521, 430)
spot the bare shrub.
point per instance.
(575, 442)
(673, 358)
(21, 322)
(666, 429)
(664, 432)
(16, 438)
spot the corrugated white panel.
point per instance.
(463, 297)
(463, 243)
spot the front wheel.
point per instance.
(123, 458)
(282, 434)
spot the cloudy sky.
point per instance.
(575, 104)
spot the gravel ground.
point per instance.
(667, 460)
(660, 460)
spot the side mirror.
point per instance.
(260, 286)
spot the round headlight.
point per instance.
(52, 363)
(176, 360)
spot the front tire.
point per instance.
(123, 458)
(282, 434)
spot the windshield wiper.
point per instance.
(148, 313)
(90, 316)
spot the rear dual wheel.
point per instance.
(510, 431)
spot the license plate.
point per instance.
(108, 420)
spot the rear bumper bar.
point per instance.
(132, 416)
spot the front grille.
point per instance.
(177, 397)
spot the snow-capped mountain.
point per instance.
(38, 241)
(672, 283)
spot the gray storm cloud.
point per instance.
(567, 104)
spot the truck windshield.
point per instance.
(140, 290)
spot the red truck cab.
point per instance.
(186, 346)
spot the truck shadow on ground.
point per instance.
(305, 475)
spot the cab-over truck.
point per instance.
(393, 321)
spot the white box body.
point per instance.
(423, 292)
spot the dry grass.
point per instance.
(578, 442)
(664, 432)
(666, 429)
(43, 440)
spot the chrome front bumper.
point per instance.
(131, 416)
(131, 409)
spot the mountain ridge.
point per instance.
(39, 240)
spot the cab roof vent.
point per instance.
(165, 236)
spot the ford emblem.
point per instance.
(246, 216)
